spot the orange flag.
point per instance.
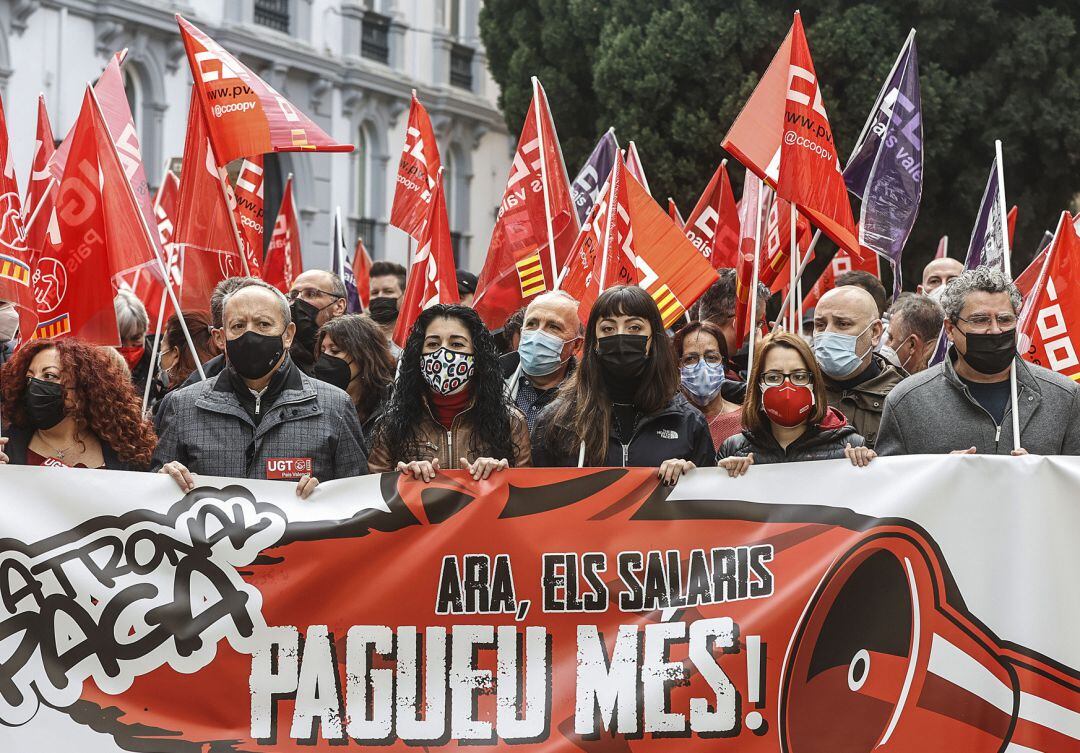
(432, 273)
(537, 222)
(206, 240)
(783, 135)
(283, 260)
(245, 115)
(1051, 312)
(713, 226)
(417, 170)
(15, 266)
(249, 211)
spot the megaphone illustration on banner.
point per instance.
(882, 660)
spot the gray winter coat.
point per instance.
(933, 412)
(205, 427)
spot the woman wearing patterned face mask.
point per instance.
(449, 407)
(786, 414)
(71, 405)
(622, 407)
(702, 351)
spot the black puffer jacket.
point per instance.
(826, 441)
(676, 431)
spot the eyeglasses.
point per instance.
(712, 357)
(980, 323)
(799, 377)
(310, 294)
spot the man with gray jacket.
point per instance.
(963, 404)
(261, 417)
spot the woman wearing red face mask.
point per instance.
(786, 413)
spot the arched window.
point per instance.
(134, 99)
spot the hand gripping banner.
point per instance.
(900, 608)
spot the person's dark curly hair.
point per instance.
(100, 397)
(489, 418)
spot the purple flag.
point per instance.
(586, 186)
(342, 266)
(886, 167)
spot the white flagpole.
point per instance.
(154, 360)
(755, 278)
(157, 257)
(1007, 259)
(802, 268)
(793, 264)
(611, 209)
(544, 181)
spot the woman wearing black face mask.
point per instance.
(354, 357)
(622, 407)
(71, 405)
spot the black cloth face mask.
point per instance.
(623, 359)
(305, 317)
(383, 309)
(44, 403)
(990, 353)
(252, 355)
(333, 370)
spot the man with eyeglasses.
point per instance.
(847, 330)
(316, 297)
(963, 405)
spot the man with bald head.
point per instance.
(847, 330)
(545, 355)
(316, 297)
(938, 272)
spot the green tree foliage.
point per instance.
(673, 75)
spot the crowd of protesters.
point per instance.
(292, 387)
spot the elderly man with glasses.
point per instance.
(963, 405)
(316, 297)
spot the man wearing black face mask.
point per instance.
(387, 289)
(261, 417)
(316, 297)
(963, 405)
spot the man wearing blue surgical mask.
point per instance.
(847, 330)
(550, 334)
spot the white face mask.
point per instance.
(9, 322)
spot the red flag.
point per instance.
(750, 211)
(1052, 311)
(112, 100)
(73, 279)
(674, 213)
(634, 166)
(417, 170)
(432, 273)
(245, 116)
(776, 258)
(41, 183)
(841, 262)
(147, 283)
(713, 226)
(783, 135)
(521, 262)
(283, 261)
(942, 248)
(1025, 282)
(15, 267)
(361, 266)
(206, 241)
(1011, 221)
(249, 211)
(642, 246)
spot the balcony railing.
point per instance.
(375, 37)
(461, 65)
(273, 14)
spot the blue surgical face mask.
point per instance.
(703, 381)
(541, 352)
(836, 353)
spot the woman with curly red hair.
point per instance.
(68, 403)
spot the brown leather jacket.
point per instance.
(864, 403)
(450, 446)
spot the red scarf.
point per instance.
(446, 408)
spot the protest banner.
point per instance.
(908, 606)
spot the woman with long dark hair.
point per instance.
(353, 355)
(175, 357)
(449, 405)
(70, 404)
(622, 406)
(786, 414)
